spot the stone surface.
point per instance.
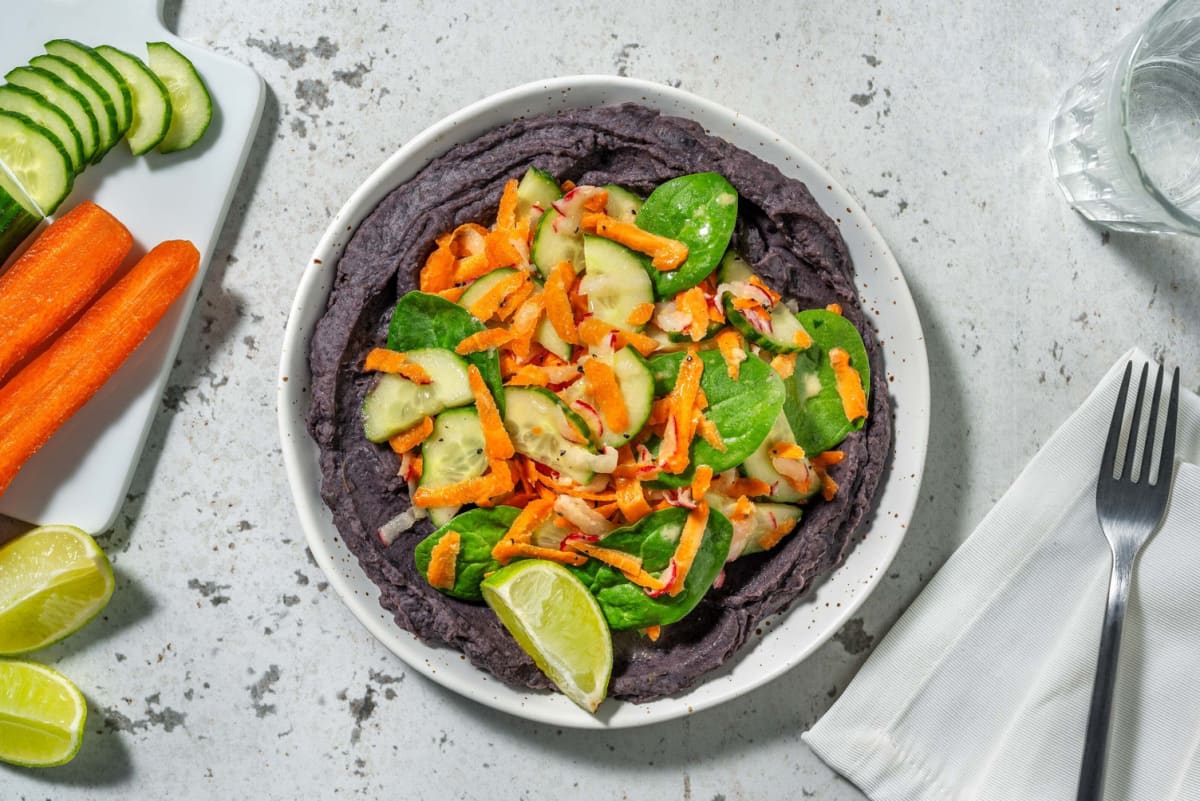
(225, 665)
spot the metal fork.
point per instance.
(1130, 508)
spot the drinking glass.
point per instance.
(1125, 143)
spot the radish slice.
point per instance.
(399, 524)
(582, 516)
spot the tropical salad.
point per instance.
(600, 383)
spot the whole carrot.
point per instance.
(51, 388)
(57, 277)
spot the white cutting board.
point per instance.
(81, 476)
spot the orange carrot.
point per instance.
(689, 546)
(849, 384)
(708, 431)
(438, 272)
(443, 561)
(732, 351)
(827, 458)
(701, 481)
(641, 314)
(786, 450)
(515, 300)
(772, 537)
(528, 375)
(56, 278)
(506, 217)
(507, 550)
(664, 253)
(593, 331)
(602, 380)
(558, 304)
(496, 442)
(384, 360)
(784, 364)
(683, 400)
(694, 305)
(836, 308)
(489, 338)
(405, 441)
(55, 385)
(486, 306)
(652, 633)
(500, 250)
(631, 500)
(468, 268)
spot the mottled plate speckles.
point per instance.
(793, 635)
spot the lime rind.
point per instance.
(32, 735)
(42, 602)
(558, 622)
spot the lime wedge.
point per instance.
(557, 621)
(41, 715)
(53, 579)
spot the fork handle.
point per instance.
(1095, 748)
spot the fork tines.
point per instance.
(1108, 466)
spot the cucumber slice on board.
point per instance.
(151, 102)
(18, 215)
(37, 108)
(36, 159)
(99, 101)
(100, 71)
(58, 93)
(191, 104)
(454, 452)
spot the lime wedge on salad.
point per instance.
(41, 715)
(558, 622)
(53, 580)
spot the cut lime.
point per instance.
(53, 579)
(558, 622)
(41, 715)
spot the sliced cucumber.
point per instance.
(482, 284)
(767, 518)
(733, 268)
(622, 204)
(615, 281)
(151, 103)
(37, 108)
(395, 404)
(536, 189)
(547, 336)
(758, 465)
(18, 215)
(100, 71)
(556, 239)
(783, 329)
(36, 159)
(58, 93)
(454, 452)
(97, 99)
(191, 103)
(538, 423)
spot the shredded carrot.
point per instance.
(593, 331)
(467, 239)
(489, 338)
(629, 565)
(473, 490)
(468, 268)
(506, 217)
(505, 551)
(827, 458)
(743, 508)
(701, 482)
(707, 430)
(405, 441)
(607, 510)
(486, 306)
(443, 561)
(849, 384)
(802, 339)
(384, 360)
(500, 250)
(438, 272)
(597, 201)
(631, 499)
(664, 253)
(689, 546)
(525, 322)
(602, 380)
(640, 315)
(515, 300)
(683, 396)
(533, 515)
(452, 293)
(786, 450)
(784, 364)
(757, 282)
(733, 351)
(496, 442)
(529, 375)
(695, 306)
(558, 304)
(772, 537)
(652, 632)
(829, 487)
(836, 308)
(752, 487)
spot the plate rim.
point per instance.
(299, 450)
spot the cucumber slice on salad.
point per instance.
(191, 103)
(748, 535)
(733, 268)
(758, 465)
(777, 333)
(18, 215)
(615, 281)
(544, 429)
(97, 99)
(58, 93)
(556, 239)
(100, 71)
(37, 160)
(396, 404)
(537, 190)
(454, 452)
(622, 204)
(151, 103)
(636, 382)
(482, 284)
(37, 108)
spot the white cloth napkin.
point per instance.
(980, 691)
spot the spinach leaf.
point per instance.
(743, 410)
(699, 210)
(479, 530)
(421, 320)
(653, 538)
(813, 407)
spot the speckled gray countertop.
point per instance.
(225, 667)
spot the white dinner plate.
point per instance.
(82, 474)
(789, 637)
